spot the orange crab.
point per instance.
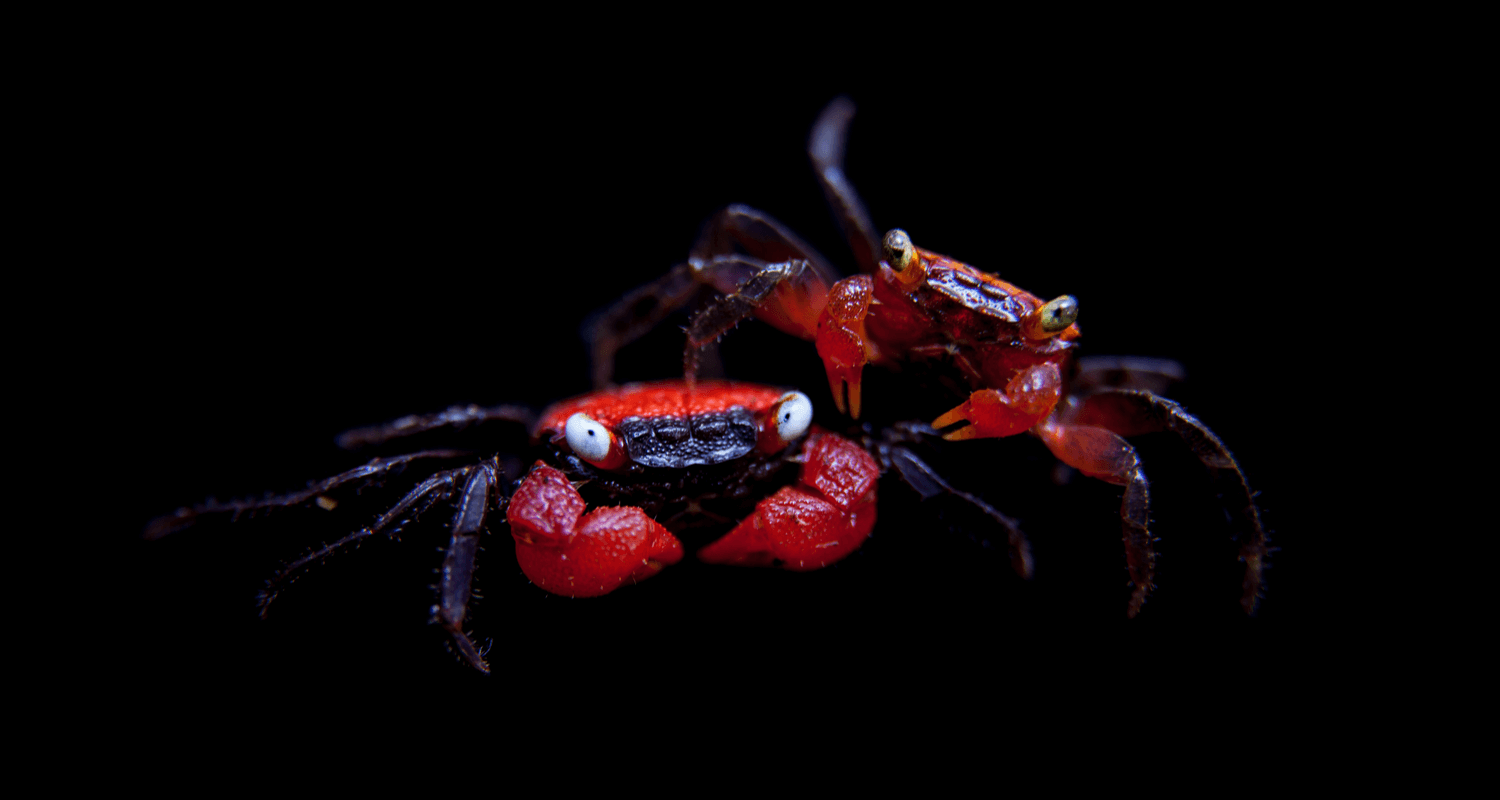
(913, 308)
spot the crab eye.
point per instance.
(793, 415)
(1052, 318)
(589, 439)
(898, 250)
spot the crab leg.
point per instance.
(925, 481)
(787, 295)
(737, 244)
(455, 418)
(567, 552)
(826, 516)
(1101, 454)
(1097, 373)
(826, 149)
(428, 493)
(742, 230)
(454, 590)
(377, 469)
(1132, 412)
(639, 311)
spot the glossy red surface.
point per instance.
(658, 399)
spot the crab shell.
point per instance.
(821, 518)
(669, 424)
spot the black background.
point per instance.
(320, 248)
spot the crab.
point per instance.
(917, 310)
(656, 462)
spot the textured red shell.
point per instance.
(660, 399)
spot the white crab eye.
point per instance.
(793, 415)
(589, 439)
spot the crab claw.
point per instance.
(825, 517)
(570, 553)
(1028, 398)
(841, 339)
(840, 378)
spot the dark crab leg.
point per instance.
(742, 230)
(428, 493)
(375, 470)
(1099, 452)
(639, 311)
(1097, 373)
(1134, 412)
(455, 418)
(454, 590)
(925, 480)
(736, 244)
(826, 149)
(788, 295)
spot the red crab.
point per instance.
(914, 309)
(686, 452)
(655, 460)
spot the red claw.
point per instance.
(822, 519)
(570, 553)
(841, 339)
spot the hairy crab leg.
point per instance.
(428, 493)
(639, 311)
(1135, 412)
(926, 482)
(788, 295)
(742, 230)
(455, 418)
(376, 469)
(454, 591)
(1100, 453)
(735, 245)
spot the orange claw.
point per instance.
(841, 339)
(1028, 398)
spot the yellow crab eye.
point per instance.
(1052, 318)
(899, 252)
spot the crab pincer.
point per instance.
(826, 516)
(567, 552)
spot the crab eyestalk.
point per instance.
(1052, 318)
(788, 419)
(902, 258)
(593, 442)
